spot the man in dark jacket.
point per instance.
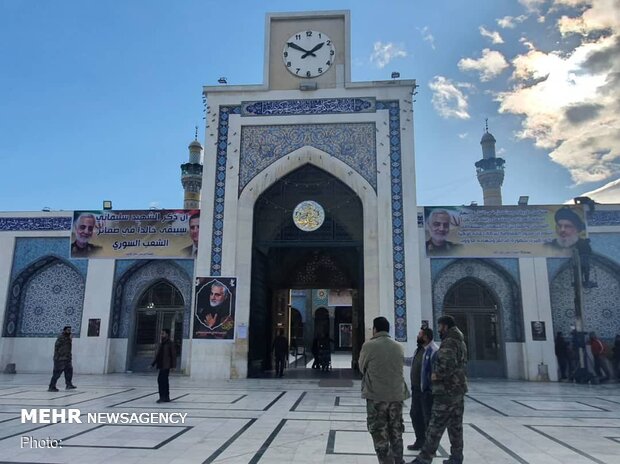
(62, 360)
(449, 388)
(280, 347)
(421, 393)
(165, 360)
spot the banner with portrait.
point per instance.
(214, 308)
(504, 231)
(135, 234)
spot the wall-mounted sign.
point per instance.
(308, 216)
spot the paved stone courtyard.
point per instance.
(295, 420)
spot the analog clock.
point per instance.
(308, 53)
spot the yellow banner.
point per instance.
(135, 234)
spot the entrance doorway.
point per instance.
(160, 307)
(287, 259)
(474, 309)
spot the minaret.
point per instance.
(490, 170)
(191, 175)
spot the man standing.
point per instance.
(280, 347)
(598, 352)
(421, 394)
(165, 360)
(62, 360)
(449, 388)
(383, 386)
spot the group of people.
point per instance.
(567, 354)
(439, 384)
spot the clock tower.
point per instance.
(307, 51)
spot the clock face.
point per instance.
(308, 54)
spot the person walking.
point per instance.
(449, 388)
(280, 347)
(62, 360)
(598, 354)
(421, 394)
(384, 388)
(561, 352)
(165, 359)
(617, 356)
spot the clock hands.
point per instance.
(311, 52)
(306, 52)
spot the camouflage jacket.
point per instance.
(62, 348)
(450, 365)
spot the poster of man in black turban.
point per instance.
(214, 312)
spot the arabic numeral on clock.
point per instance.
(288, 64)
(331, 52)
(308, 33)
(328, 63)
(328, 43)
(320, 36)
(285, 54)
(308, 74)
(297, 71)
(320, 70)
(297, 36)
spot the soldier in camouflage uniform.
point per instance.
(384, 387)
(62, 360)
(449, 388)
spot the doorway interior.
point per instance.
(475, 310)
(290, 264)
(160, 307)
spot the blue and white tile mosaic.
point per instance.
(217, 237)
(607, 244)
(498, 280)
(398, 224)
(20, 224)
(604, 218)
(398, 250)
(30, 249)
(600, 312)
(353, 144)
(308, 106)
(130, 287)
(53, 298)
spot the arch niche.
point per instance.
(315, 163)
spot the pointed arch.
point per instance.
(44, 297)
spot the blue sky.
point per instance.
(98, 100)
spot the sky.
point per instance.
(99, 100)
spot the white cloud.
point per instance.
(569, 100)
(532, 5)
(448, 99)
(427, 36)
(608, 193)
(495, 37)
(510, 22)
(463, 135)
(490, 65)
(384, 53)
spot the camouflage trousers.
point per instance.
(386, 426)
(447, 412)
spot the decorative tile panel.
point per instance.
(53, 298)
(20, 224)
(31, 249)
(604, 218)
(600, 312)
(398, 223)
(217, 236)
(607, 244)
(498, 280)
(353, 144)
(308, 106)
(130, 287)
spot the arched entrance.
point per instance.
(161, 306)
(286, 258)
(475, 310)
